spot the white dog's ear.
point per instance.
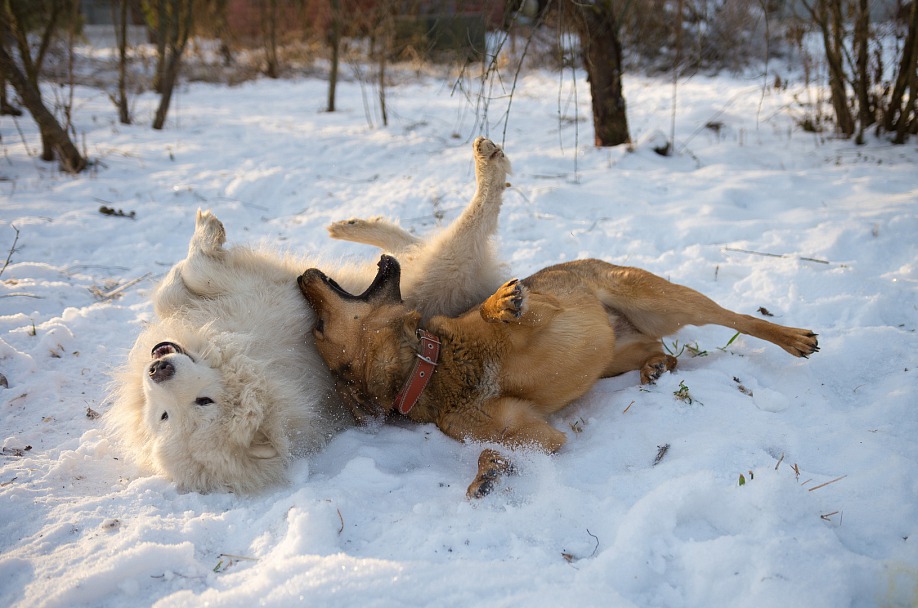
(261, 447)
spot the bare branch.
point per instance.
(12, 250)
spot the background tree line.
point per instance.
(868, 58)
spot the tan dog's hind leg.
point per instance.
(657, 308)
(656, 366)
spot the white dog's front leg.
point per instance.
(376, 231)
(192, 278)
(458, 268)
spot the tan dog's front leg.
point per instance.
(515, 425)
(492, 465)
(509, 421)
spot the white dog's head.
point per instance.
(192, 406)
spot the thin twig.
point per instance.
(778, 255)
(596, 538)
(239, 557)
(516, 76)
(822, 485)
(25, 144)
(12, 250)
(118, 290)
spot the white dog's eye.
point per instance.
(203, 401)
(165, 416)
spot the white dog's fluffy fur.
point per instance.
(225, 386)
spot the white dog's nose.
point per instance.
(161, 370)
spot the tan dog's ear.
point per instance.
(386, 287)
(261, 447)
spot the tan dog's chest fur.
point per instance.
(530, 349)
(493, 376)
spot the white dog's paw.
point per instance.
(486, 149)
(491, 164)
(354, 229)
(209, 233)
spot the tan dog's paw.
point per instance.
(507, 304)
(491, 467)
(800, 342)
(656, 366)
(209, 233)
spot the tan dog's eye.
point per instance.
(319, 328)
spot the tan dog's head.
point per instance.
(360, 337)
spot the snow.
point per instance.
(828, 513)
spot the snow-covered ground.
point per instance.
(786, 482)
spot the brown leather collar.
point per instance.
(429, 352)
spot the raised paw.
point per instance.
(352, 229)
(375, 231)
(491, 467)
(491, 164)
(209, 233)
(507, 304)
(487, 149)
(656, 366)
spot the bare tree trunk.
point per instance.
(335, 43)
(124, 114)
(162, 29)
(898, 113)
(908, 120)
(597, 26)
(827, 14)
(13, 28)
(54, 137)
(223, 33)
(862, 80)
(671, 146)
(385, 47)
(179, 29)
(269, 33)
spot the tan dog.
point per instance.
(530, 349)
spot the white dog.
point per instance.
(221, 390)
